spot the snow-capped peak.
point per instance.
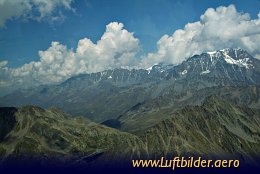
(150, 68)
(235, 56)
(211, 52)
(160, 67)
(240, 62)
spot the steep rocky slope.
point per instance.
(32, 132)
(217, 128)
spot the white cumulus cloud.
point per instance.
(116, 48)
(217, 29)
(32, 9)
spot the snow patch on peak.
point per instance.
(205, 72)
(227, 49)
(211, 52)
(149, 69)
(240, 62)
(184, 72)
(160, 67)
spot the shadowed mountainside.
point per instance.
(46, 134)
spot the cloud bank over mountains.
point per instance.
(217, 29)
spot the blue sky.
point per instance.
(45, 42)
(20, 40)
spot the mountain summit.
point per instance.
(229, 66)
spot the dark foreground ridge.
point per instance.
(216, 129)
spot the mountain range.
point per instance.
(207, 105)
(109, 94)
